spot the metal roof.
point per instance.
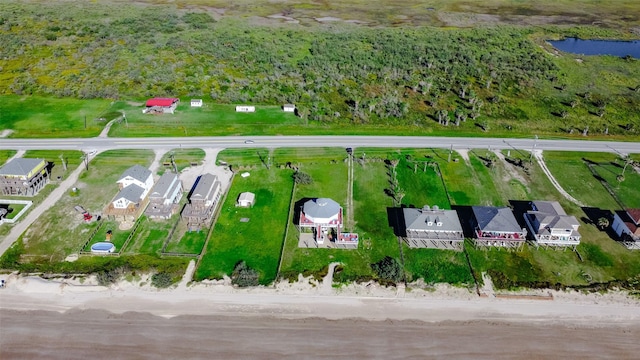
(19, 166)
(165, 185)
(162, 101)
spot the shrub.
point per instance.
(161, 280)
(302, 178)
(388, 269)
(244, 276)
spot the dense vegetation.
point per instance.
(430, 77)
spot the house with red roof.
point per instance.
(161, 106)
(626, 224)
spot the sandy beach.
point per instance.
(66, 318)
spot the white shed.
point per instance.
(246, 199)
(245, 108)
(288, 108)
(196, 102)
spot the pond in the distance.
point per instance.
(598, 47)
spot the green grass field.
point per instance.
(258, 241)
(189, 242)
(573, 174)
(48, 117)
(150, 235)
(6, 155)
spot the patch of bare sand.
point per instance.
(191, 174)
(512, 171)
(5, 133)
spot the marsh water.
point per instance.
(598, 47)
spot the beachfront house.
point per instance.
(433, 228)
(626, 224)
(165, 197)
(23, 176)
(134, 184)
(497, 227)
(202, 202)
(320, 225)
(551, 226)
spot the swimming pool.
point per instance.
(103, 247)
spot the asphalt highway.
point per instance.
(89, 144)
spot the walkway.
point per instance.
(538, 155)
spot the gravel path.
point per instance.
(538, 155)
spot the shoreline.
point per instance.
(308, 298)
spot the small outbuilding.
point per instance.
(196, 102)
(245, 108)
(161, 106)
(289, 108)
(246, 199)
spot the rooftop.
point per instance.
(137, 172)
(20, 166)
(321, 208)
(428, 220)
(165, 184)
(492, 218)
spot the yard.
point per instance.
(254, 234)
(61, 230)
(574, 175)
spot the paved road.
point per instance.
(320, 141)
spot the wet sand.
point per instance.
(79, 334)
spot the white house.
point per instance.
(137, 175)
(551, 226)
(165, 196)
(288, 108)
(246, 199)
(196, 102)
(245, 108)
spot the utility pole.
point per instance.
(450, 151)
(85, 124)
(533, 149)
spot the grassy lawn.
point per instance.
(244, 157)
(13, 209)
(211, 119)
(183, 158)
(187, 242)
(150, 235)
(5, 155)
(436, 266)
(626, 189)
(571, 171)
(48, 117)
(257, 241)
(60, 230)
